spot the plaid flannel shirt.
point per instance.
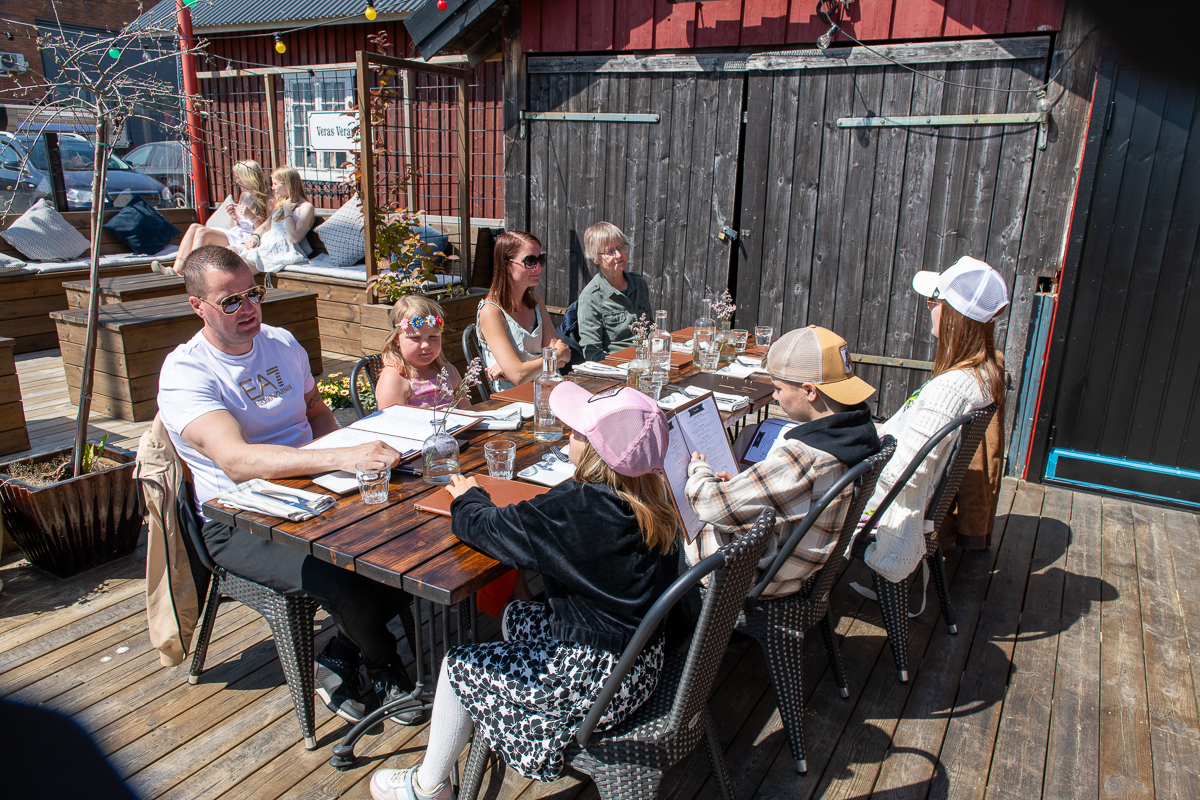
(788, 480)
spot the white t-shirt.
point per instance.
(263, 390)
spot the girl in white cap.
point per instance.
(601, 543)
(963, 301)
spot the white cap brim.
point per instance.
(925, 282)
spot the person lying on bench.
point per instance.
(238, 400)
(815, 385)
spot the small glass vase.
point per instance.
(439, 455)
(727, 342)
(638, 367)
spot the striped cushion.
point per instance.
(41, 234)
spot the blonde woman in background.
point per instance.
(253, 207)
(276, 243)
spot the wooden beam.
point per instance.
(366, 175)
(269, 89)
(245, 73)
(833, 58)
(434, 68)
(464, 180)
(516, 147)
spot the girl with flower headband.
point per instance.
(412, 357)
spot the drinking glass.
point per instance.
(373, 475)
(762, 335)
(707, 350)
(739, 339)
(500, 455)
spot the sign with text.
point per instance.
(331, 130)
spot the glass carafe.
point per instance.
(546, 426)
(660, 349)
(704, 324)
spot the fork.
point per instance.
(554, 452)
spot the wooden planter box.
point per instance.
(338, 303)
(134, 339)
(126, 289)
(459, 311)
(68, 527)
(13, 436)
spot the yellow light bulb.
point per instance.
(370, 12)
(280, 47)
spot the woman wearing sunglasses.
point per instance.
(512, 321)
(613, 300)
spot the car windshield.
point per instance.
(76, 155)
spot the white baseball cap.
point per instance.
(971, 287)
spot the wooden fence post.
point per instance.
(366, 167)
(272, 130)
(464, 180)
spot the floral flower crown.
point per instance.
(417, 322)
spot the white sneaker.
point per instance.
(401, 784)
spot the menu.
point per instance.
(695, 427)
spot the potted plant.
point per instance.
(79, 507)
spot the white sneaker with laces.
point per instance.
(401, 784)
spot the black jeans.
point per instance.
(360, 607)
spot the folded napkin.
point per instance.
(681, 347)
(740, 368)
(274, 500)
(549, 472)
(602, 370)
(725, 402)
(506, 418)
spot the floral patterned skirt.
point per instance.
(528, 695)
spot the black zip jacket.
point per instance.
(600, 576)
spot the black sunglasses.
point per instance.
(531, 262)
(231, 303)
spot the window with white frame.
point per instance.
(322, 91)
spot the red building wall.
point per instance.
(574, 26)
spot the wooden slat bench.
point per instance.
(124, 289)
(14, 437)
(134, 339)
(28, 298)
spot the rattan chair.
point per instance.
(779, 624)
(629, 761)
(893, 596)
(470, 346)
(372, 365)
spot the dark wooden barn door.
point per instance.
(670, 185)
(1126, 413)
(840, 219)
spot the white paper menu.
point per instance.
(409, 422)
(695, 427)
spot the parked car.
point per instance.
(23, 163)
(169, 163)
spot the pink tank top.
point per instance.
(423, 394)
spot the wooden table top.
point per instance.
(398, 545)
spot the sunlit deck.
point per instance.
(1073, 674)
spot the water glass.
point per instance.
(500, 456)
(762, 335)
(739, 339)
(650, 383)
(373, 476)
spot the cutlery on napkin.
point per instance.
(603, 370)
(274, 500)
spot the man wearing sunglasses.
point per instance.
(238, 401)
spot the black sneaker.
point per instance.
(341, 684)
(392, 685)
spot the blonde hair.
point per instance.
(413, 305)
(600, 234)
(646, 494)
(295, 187)
(249, 174)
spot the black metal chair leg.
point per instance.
(206, 628)
(835, 659)
(785, 664)
(893, 602)
(937, 565)
(715, 757)
(291, 623)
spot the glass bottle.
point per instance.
(638, 368)
(660, 349)
(704, 330)
(439, 454)
(546, 428)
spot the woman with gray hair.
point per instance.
(614, 298)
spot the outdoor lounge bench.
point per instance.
(134, 339)
(38, 288)
(14, 437)
(124, 289)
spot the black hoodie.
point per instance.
(849, 436)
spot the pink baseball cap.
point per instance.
(626, 427)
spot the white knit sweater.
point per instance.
(900, 536)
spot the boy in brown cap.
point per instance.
(815, 385)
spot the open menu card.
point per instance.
(409, 422)
(342, 482)
(695, 426)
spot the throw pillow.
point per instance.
(42, 234)
(343, 235)
(141, 227)
(220, 218)
(10, 264)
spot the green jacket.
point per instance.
(605, 314)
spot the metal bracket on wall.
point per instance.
(582, 116)
(1024, 118)
(907, 363)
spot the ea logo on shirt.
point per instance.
(261, 389)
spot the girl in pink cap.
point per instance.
(602, 543)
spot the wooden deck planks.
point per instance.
(1027, 699)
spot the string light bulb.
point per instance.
(280, 47)
(114, 52)
(441, 5)
(370, 12)
(1043, 102)
(826, 38)
(146, 54)
(312, 79)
